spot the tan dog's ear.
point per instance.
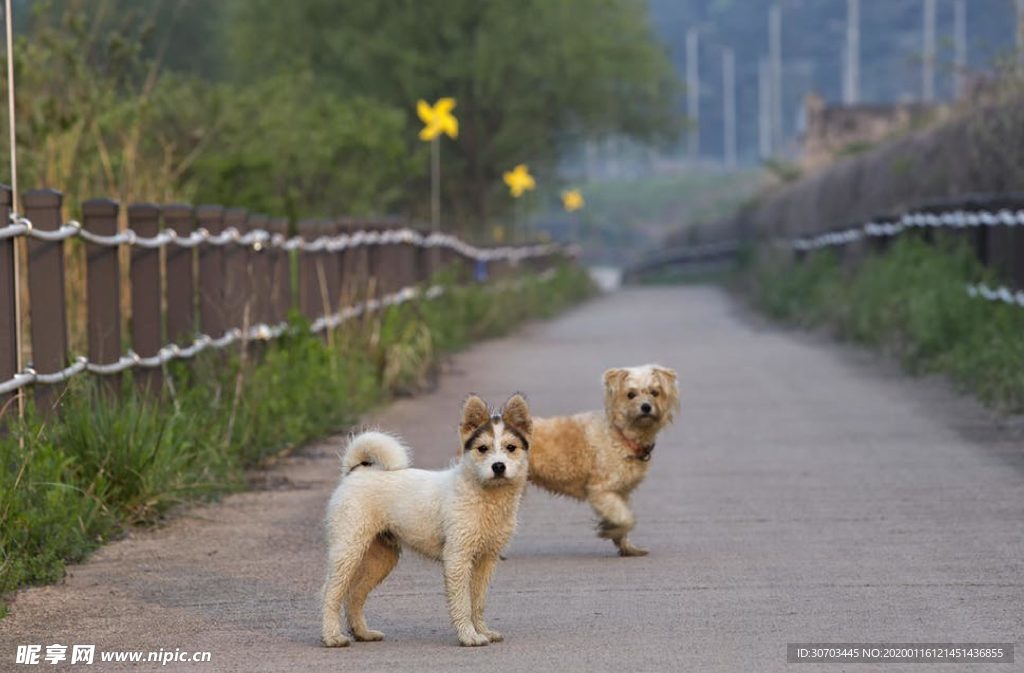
(670, 383)
(516, 413)
(613, 379)
(474, 414)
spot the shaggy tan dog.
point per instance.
(601, 457)
(461, 516)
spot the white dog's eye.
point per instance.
(482, 448)
(510, 448)
(631, 394)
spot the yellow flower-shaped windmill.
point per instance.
(437, 120)
(572, 200)
(519, 181)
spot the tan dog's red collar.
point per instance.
(641, 452)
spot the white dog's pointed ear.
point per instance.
(516, 413)
(474, 414)
(613, 378)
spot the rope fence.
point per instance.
(259, 239)
(206, 278)
(960, 220)
(957, 219)
(992, 224)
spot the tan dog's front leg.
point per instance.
(458, 575)
(481, 581)
(616, 520)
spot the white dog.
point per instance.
(462, 516)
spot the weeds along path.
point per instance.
(807, 493)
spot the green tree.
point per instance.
(532, 78)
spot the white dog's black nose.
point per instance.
(499, 469)
(645, 408)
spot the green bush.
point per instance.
(910, 301)
(112, 460)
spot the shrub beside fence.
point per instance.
(204, 278)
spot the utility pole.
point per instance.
(764, 108)
(851, 75)
(729, 103)
(959, 48)
(775, 56)
(1020, 33)
(693, 92)
(928, 61)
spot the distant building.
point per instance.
(835, 130)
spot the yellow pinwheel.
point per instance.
(519, 180)
(572, 200)
(437, 119)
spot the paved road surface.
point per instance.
(808, 493)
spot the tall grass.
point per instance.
(910, 301)
(110, 461)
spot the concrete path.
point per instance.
(807, 493)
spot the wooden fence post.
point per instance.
(352, 263)
(212, 314)
(144, 220)
(399, 264)
(1016, 246)
(330, 282)
(236, 272)
(280, 274)
(46, 293)
(180, 267)
(409, 255)
(103, 287)
(1000, 242)
(8, 304)
(259, 273)
(427, 260)
(376, 262)
(309, 294)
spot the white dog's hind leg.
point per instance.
(616, 520)
(343, 561)
(458, 571)
(380, 559)
(481, 580)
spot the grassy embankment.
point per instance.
(910, 301)
(109, 462)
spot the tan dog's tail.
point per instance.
(374, 450)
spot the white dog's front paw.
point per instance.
(335, 639)
(473, 639)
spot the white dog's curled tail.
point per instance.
(376, 451)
